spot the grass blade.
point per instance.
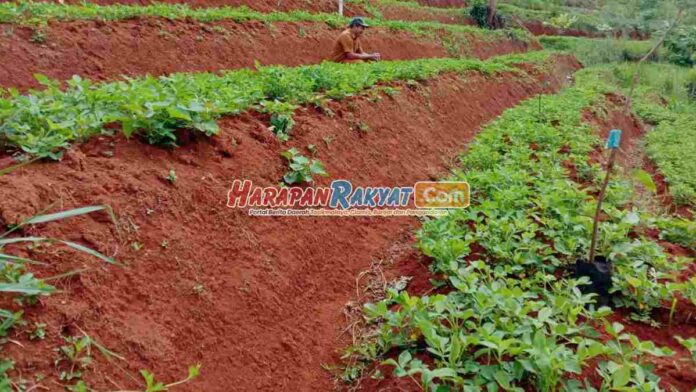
(23, 288)
(73, 245)
(5, 257)
(17, 166)
(7, 241)
(63, 215)
(89, 251)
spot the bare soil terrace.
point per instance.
(105, 51)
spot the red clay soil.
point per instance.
(613, 117)
(104, 51)
(539, 28)
(257, 301)
(260, 5)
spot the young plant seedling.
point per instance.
(302, 169)
(171, 177)
(39, 332)
(77, 353)
(152, 385)
(328, 139)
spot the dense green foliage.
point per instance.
(593, 51)
(671, 145)
(514, 318)
(45, 122)
(602, 16)
(681, 46)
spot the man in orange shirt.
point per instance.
(348, 48)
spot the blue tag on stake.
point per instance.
(614, 139)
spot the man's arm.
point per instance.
(362, 56)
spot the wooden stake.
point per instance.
(600, 199)
(613, 143)
(340, 7)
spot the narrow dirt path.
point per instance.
(257, 301)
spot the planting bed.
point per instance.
(103, 51)
(258, 301)
(473, 320)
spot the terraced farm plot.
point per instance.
(192, 199)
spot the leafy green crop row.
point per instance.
(45, 122)
(38, 13)
(513, 319)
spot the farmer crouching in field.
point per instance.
(348, 48)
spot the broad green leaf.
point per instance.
(621, 377)
(42, 79)
(646, 180)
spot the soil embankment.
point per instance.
(258, 301)
(105, 51)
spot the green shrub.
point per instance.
(479, 12)
(681, 46)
